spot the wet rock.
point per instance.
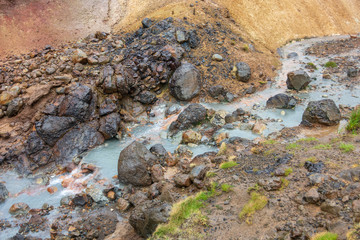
(292, 55)
(96, 194)
(109, 125)
(190, 136)
(331, 206)
(52, 128)
(192, 115)
(66, 201)
(314, 167)
(81, 199)
(217, 57)
(146, 22)
(14, 107)
(198, 172)
(185, 83)
(352, 72)
(78, 140)
(79, 56)
(122, 204)
(146, 217)
(4, 193)
(158, 150)
(182, 180)
(147, 97)
(19, 209)
(281, 101)
(173, 109)
(259, 127)
(271, 184)
(218, 119)
(298, 80)
(133, 165)
(242, 71)
(323, 112)
(312, 196)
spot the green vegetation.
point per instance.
(270, 141)
(255, 188)
(323, 147)
(354, 122)
(292, 146)
(312, 65)
(325, 236)
(346, 147)
(183, 210)
(354, 233)
(256, 203)
(284, 183)
(311, 159)
(309, 139)
(269, 152)
(226, 187)
(229, 164)
(246, 48)
(288, 171)
(210, 174)
(330, 64)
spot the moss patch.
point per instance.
(229, 164)
(325, 236)
(256, 203)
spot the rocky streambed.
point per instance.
(110, 93)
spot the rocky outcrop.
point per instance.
(133, 164)
(192, 115)
(185, 82)
(323, 112)
(298, 80)
(147, 216)
(109, 125)
(281, 101)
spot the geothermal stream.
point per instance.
(34, 192)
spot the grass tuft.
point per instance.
(354, 122)
(226, 187)
(292, 146)
(346, 147)
(255, 188)
(270, 142)
(312, 65)
(229, 164)
(256, 203)
(288, 171)
(210, 174)
(330, 64)
(325, 236)
(323, 147)
(309, 139)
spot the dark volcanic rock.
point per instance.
(281, 101)
(298, 80)
(192, 115)
(158, 150)
(314, 167)
(147, 216)
(74, 107)
(147, 97)
(14, 107)
(4, 193)
(78, 140)
(185, 82)
(34, 144)
(134, 162)
(242, 71)
(323, 112)
(109, 125)
(217, 91)
(81, 92)
(52, 128)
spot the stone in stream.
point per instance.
(4, 193)
(242, 71)
(185, 83)
(292, 55)
(281, 100)
(19, 209)
(194, 114)
(133, 165)
(190, 136)
(158, 150)
(297, 80)
(147, 216)
(323, 112)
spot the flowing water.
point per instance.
(105, 157)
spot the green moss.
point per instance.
(292, 146)
(256, 203)
(312, 65)
(284, 183)
(255, 188)
(325, 236)
(311, 159)
(346, 147)
(354, 122)
(229, 164)
(323, 147)
(210, 174)
(270, 141)
(309, 139)
(226, 187)
(288, 171)
(330, 64)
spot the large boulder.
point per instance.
(109, 125)
(4, 193)
(52, 128)
(242, 71)
(192, 115)
(133, 164)
(297, 80)
(323, 112)
(281, 100)
(147, 216)
(185, 82)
